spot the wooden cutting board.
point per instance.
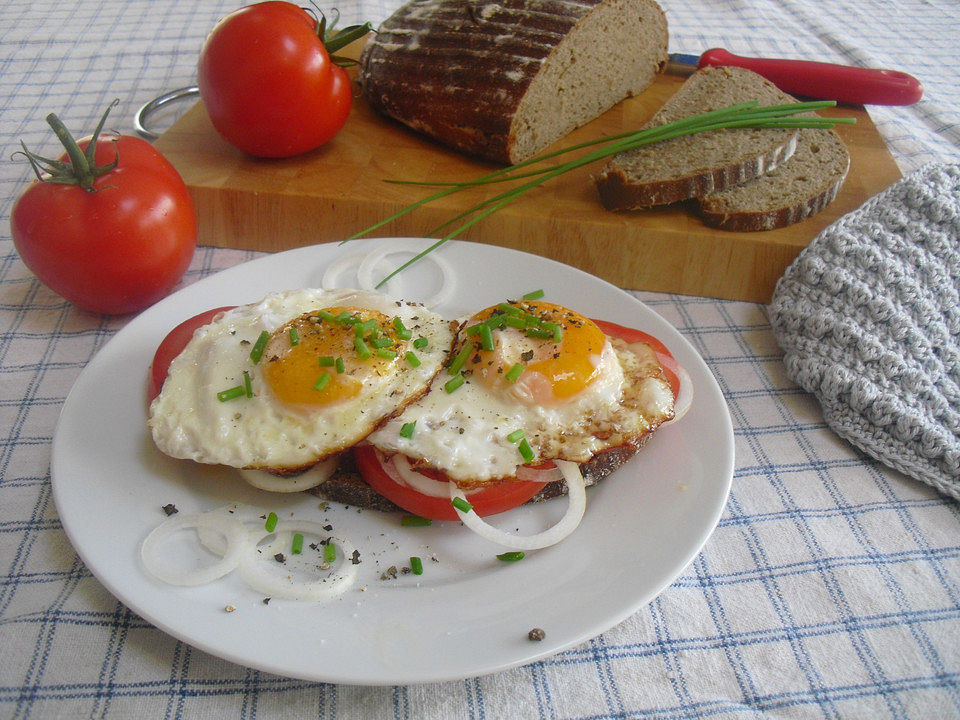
(340, 189)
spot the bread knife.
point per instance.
(824, 81)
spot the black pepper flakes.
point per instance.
(170, 509)
(537, 634)
(280, 557)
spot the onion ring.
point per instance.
(264, 480)
(332, 273)
(421, 483)
(684, 399)
(252, 519)
(234, 533)
(367, 267)
(577, 504)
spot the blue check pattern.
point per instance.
(830, 588)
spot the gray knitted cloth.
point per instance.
(868, 316)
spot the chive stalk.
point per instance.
(416, 565)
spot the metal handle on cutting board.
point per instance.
(144, 113)
(860, 86)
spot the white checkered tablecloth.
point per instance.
(830, 588)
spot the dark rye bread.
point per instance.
(347, 487)
(800, 187)
(504, 80)
(704, 163)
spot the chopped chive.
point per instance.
(386, 353)
(346, 318)
(533, 320)
(329, 551)
(327, 315)
(271, 524)
(326, 361)
(539, 333)
(516, 436)
(381, 342)
(557, 333)
(473, 329)
(486, 337)
(514, 321)
(231, 394)
(297, 546)
(497, 320)
(415, 521)
(510, 309)
(416, 565)
(534, 295)
(247, 384)
(462, 505)
(339, 365)
(259, 346)
(406, 430)
(402, 331)
(511, 556)
(322, 381)
(457, 363)
(420, 343)
(294, 336)
(363, 352)
(514, 373)
(525, 451)
(412, 359)
(453, 383)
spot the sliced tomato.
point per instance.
(173, 344)
(485, 501)
(667, 361)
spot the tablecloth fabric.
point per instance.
(830, 588)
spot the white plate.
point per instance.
(468, 614)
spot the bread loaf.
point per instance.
(708, 162)
(505, 79)
(800, 187)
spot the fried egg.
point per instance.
(297, 377)
(529, 382)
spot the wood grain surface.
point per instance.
(340, 189)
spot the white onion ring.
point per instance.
(684, 399)
(367, 281)
(264, 480)
(254, 572)
(421, 483)
(252, 519)
(577, 504)
(332, 273)
(235, 534)
(547, 475)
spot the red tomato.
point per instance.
(172, 345)
(268, 83)
(118, 247)
(486, 501)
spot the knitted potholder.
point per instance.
(868, 316)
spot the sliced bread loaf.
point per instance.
(697, 165)
(504, 80)
(800, 187)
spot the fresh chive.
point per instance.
(456, 365)
(532, 320)
(420, 343)
(496, 321)
(415, 521)
(412, 359)
(462, 505)
(326, 315)
(247, 384)
(514, 373)
(363, 351)
(525, 451)
(294, 336)
(329, 551)
(511, 556)
(509, 309)
(259, 346)
(327, 361)
(486, 337)
(406, 430)
(386, 353)
(297, 546)
(453, 383)
(416, 565)
(322, 382)
(271, 524)
(402, 332)
(539, 333)
(514, 321)
(231, 394)
(346, 318)
(381, 342)
(557, 333)
(473, 330)
(534, 295)
(339, 365)
(516, 436)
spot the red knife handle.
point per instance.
(826, 81)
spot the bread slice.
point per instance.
(708, 162)
(800, 187)
(504, 80)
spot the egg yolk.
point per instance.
(325, 357)
(538, 352)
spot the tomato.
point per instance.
(116, 240)
(173, 344)
(269, 83)
(667, 361)
(485, 501)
